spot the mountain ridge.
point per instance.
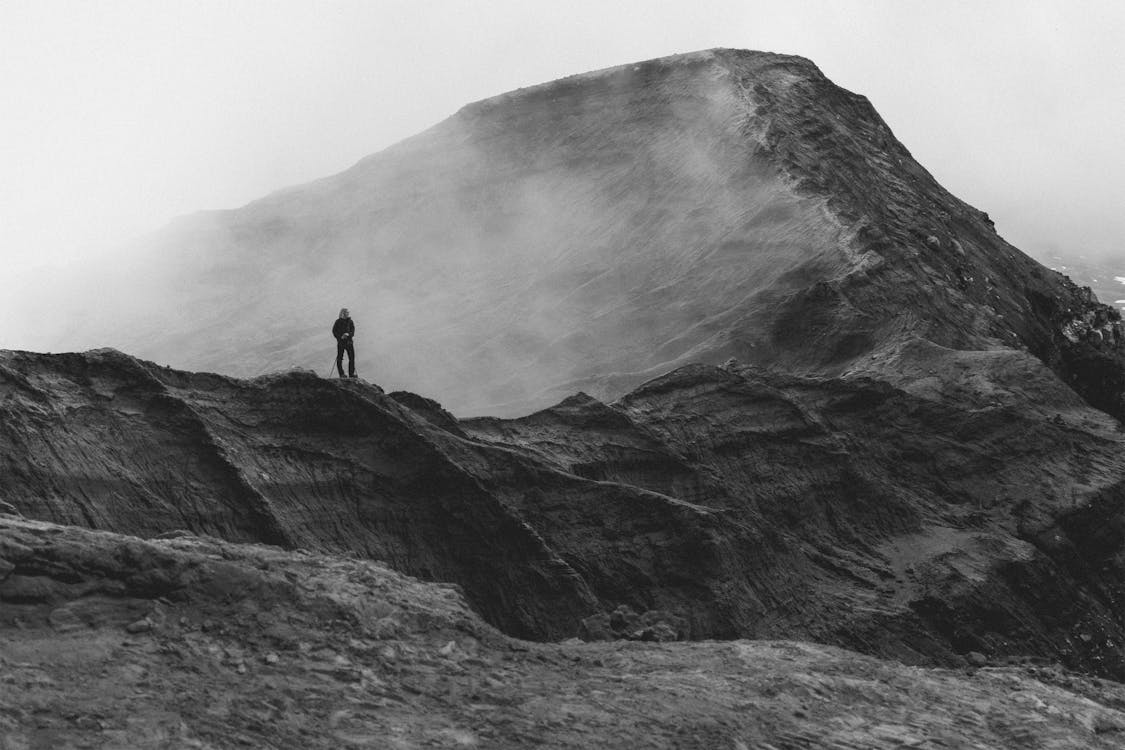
(594, 232)
(711, 502)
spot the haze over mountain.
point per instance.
(588, 234)
(865, 421)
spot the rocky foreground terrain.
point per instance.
(108, 641)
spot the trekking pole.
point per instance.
(331, 368)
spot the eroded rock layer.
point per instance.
(983, 516)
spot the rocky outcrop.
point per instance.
(883, 503)
(108, 442)
(111, 641)
(712, 502)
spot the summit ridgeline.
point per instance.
(597, 231)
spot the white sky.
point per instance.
(117, 116)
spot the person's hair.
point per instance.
(342, 311)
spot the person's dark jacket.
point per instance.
(342, 326)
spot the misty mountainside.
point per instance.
(597, 231)
(711, 502)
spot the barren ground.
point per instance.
(110, 642)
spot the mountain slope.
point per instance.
(597, 231)
(711, 502)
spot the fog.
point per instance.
(528, 247)
(123, 115)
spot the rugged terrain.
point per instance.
(595, 232)
(110, 642)
(793, 391)
(709, 503)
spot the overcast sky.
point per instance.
(118, 116)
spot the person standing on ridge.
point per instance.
(344, 331)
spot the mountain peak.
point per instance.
(594, 232)
(633, 74)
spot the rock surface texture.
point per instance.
(108, 641)
(709, 503)
(595, 232)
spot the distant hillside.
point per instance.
(1104, 276)
(596, 231)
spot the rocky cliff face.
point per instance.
(713, 502)
(595, 232)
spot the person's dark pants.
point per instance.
(349, 347)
